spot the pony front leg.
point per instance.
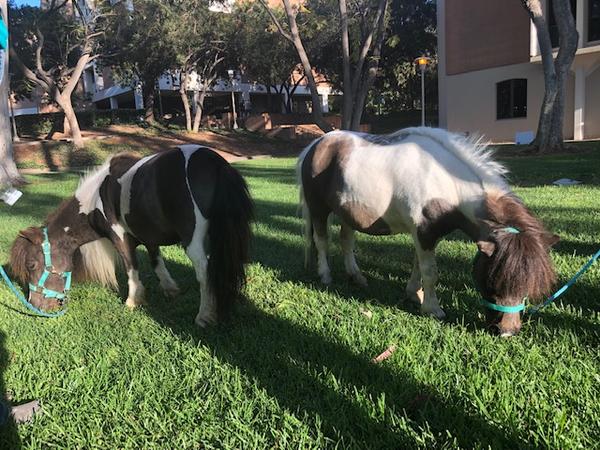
(125, 245)
(168, 285)
(430, 305)
(352, 269)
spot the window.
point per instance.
(511, 98)
(593, 20)
(553, 27)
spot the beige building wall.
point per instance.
(471, 102)
(592, 105)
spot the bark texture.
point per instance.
(8, 168)
(549, 137)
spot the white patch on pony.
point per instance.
(413, 166)
(119, 230)
(137, 292)
(66, 229)
(125, 181)
(188, 150)
(207, 313)
(88, 191)
(99, 260)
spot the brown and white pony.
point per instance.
(426, 182)
(175, 197)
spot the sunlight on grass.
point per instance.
(292, 368)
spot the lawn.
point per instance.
(292, 369)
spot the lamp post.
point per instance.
(231, 73)
(422, 62)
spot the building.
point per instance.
(490, 73)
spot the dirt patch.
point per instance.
(232, 145)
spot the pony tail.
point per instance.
(96, 261)
(307, 230)
(229, 235)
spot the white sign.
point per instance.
(10, 196)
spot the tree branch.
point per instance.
(29, 74)
(367, 43)
(284, 33)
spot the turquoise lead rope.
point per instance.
(535, 309)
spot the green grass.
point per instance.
(292, 368)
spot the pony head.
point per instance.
(41, 281)
(513, 262)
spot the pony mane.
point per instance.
(521, 264)
(473, 151)
(88, 190)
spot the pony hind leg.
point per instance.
(429, 274)
(321, 239)
(207, 312)
(414, 287)
(347, 243)
(168, 285)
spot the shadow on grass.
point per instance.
(9, 436)
(291, 363)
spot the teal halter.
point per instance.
(48, 269)
(501, 308)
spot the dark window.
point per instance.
(511, 98)
(593, 20)
(553, 27)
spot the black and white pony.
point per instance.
(189, 196)
(426, 182)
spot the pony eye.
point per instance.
(31, 265)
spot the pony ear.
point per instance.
(486, 247)
(550, 239)
(32, 234)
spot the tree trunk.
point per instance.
(549, 135)
(317, 110)
(70, 119)
(199, 108)
(9, 172)
(269, 99)
(184, 99)
(148, 94)
(348, 96)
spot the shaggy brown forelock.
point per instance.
(521, 265)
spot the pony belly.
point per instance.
(363, 218)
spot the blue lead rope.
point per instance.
(535, 309)
(23, 300)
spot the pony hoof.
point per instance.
(171, 291)
(359, 279)
(204, 320)
(326, 279)
(437, 313)
(132, 304)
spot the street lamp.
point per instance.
(422, 62)
(231, 73)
